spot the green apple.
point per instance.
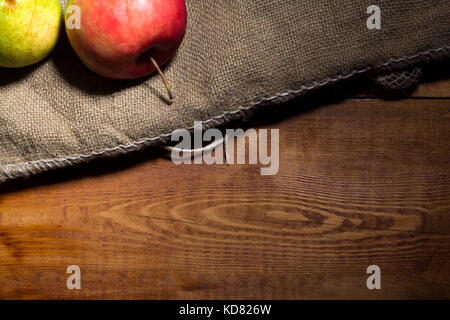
(29, 30)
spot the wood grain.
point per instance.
(361, 182)
(430, 89)
(433, 86)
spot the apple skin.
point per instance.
(117, 37)
(29, 30)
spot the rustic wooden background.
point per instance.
(362, 181)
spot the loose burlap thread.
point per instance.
(237, 56)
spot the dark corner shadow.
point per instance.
(11, 75)
(264, 116)
(436, 72)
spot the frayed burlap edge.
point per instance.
(24, 170)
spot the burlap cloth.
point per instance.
(237, 56)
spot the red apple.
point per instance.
(118, 39)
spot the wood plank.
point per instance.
(360, 183)
(435, 82)
(434, 89)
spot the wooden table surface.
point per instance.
(362, 181)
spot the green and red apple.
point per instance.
(117, 38)
(29, 31)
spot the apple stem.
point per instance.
(166, 83)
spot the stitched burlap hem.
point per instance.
(237, 56)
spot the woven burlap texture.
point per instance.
(237, 56)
